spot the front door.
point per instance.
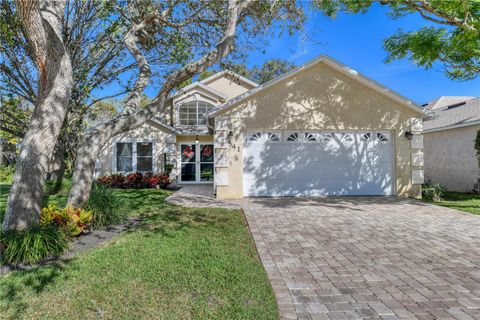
(196, 162)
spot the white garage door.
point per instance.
(307, 163)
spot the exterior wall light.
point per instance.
(408, 135)
(196, 139)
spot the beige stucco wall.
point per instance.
(229, 87)
(450, 158)
(318, 98)
(147, 132)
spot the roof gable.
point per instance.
(445, 101)
(457, 115)
(230, 75)
(335, 65)
(198, 85)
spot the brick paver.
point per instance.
(368, 257)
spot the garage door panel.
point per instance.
(337, 167)
(322, 187)
(275, 153)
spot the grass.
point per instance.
(178, 263)
(467, 202)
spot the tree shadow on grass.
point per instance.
(17, 286)
(173, 219)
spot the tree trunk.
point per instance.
(42, 25)
(56, 169)
(84, 170)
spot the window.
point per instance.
(383, 136)
(308, 136)
(347, 137)
(326, 137)
(366, 136)
(134, 156)
(124, 157)
(292, 137)
(193, 113)
(255, 136)
(144, 157)
(272, 136)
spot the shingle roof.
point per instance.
(459, 114)
(445, 101)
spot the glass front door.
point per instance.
(196, 162)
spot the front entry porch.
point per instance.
(196, 162)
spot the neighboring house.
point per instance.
(321, 129)
(449, 142)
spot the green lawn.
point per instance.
(178, 263)
(467, 202)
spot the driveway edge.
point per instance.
(280, 289)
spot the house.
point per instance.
(320, 129)
(449, 136)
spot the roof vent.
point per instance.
(456, 105)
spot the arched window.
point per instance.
(193, 113)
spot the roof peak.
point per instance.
(230, 73)
(323, 58)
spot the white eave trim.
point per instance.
(192, 86)
(166, 126)
(453, 126)
(228, 72)
(337, 66)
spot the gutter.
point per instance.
(454, 126)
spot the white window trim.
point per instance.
(134, 154)
(209, 107)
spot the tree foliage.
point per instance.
(454, 40)
(271, 69)
(176, 40)
(98, 59)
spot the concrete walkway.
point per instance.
(368, 258)
(199, 196)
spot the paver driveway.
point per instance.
(368, 257)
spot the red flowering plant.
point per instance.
(150, 180)
(163, 180)
(134, 180)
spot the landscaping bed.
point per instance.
(176, 263)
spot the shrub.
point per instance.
(168, 168)
(163, 180)
(114, 180)
(6, 173)
(32, 245)
(107, 208)
(135, 180)
(433, 192)
(58, 186)
(150, 180)
(73, 221)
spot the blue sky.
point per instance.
(356, 40)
